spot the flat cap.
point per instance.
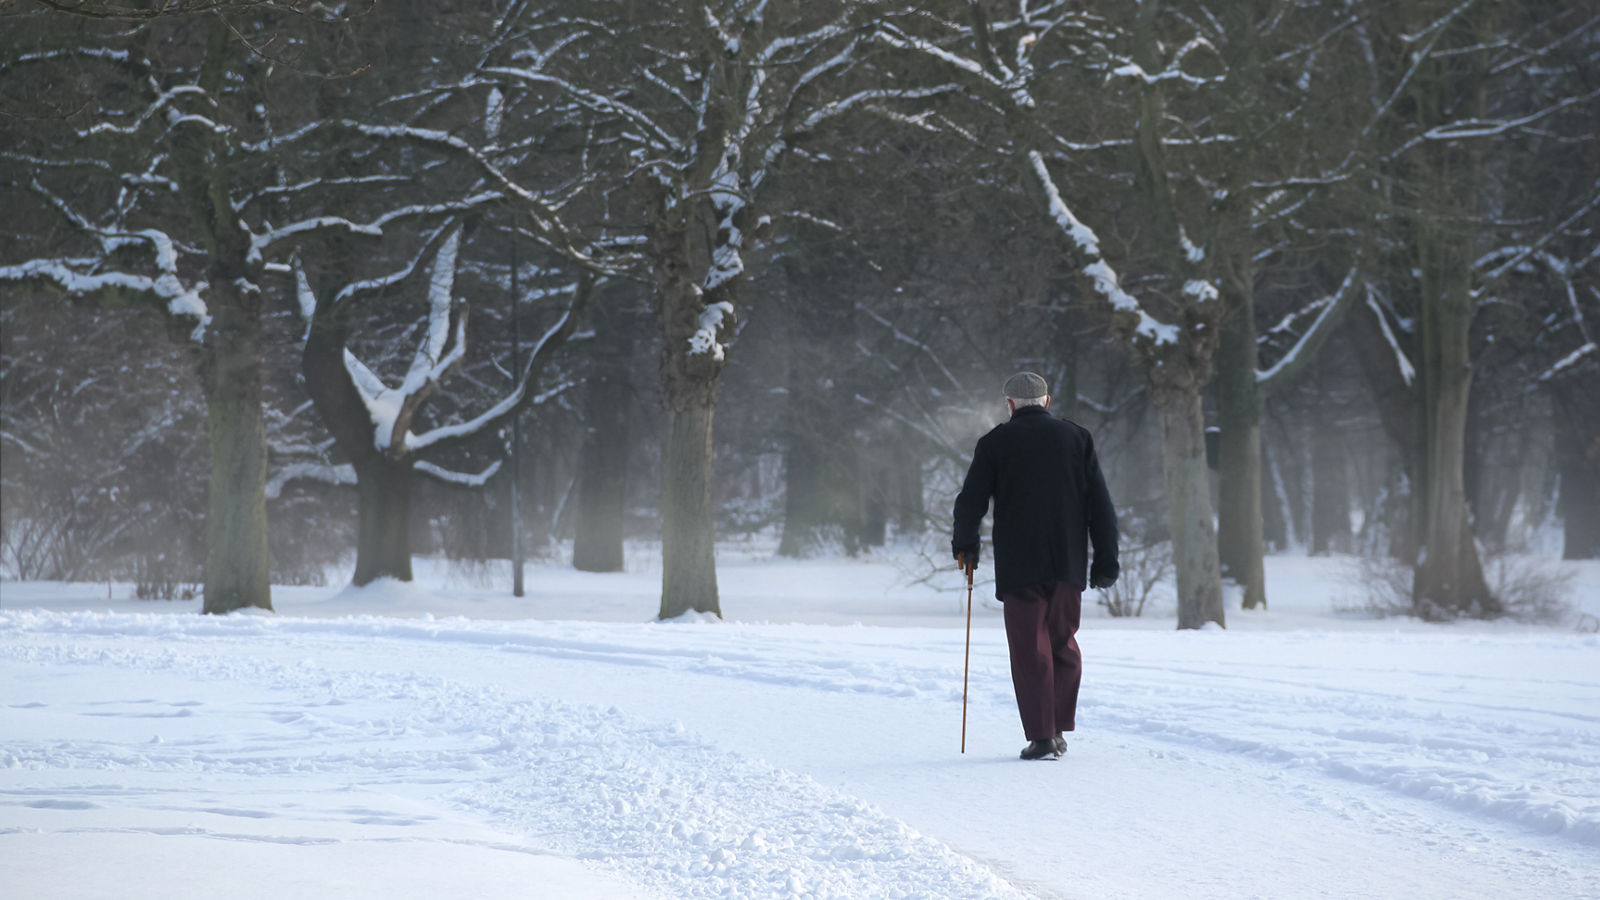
(1026, 386)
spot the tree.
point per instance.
(1022, 88)
(1457, 81)
(609, 433)
(154, 189)
(707, 104)
(378, 425)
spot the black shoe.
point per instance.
(1060, 743)
(1040, 750)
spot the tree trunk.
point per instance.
(1449, 576)
(1194, 537)
(1274, 500)
(1577, 451)
(383, 537)
(603, 480)
(688, 555)
(1330, 495)
(1240, 538)
(689, 372)
(238, 567)
(603, 455)
(1580, 493)
(238, 571)
(822, 504)
(910, 516)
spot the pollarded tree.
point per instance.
(378, 425)
(486, 153)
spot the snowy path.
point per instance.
(746, 760)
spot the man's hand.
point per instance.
(1102, 577)
(967, 561)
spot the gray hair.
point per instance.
(1027, 389)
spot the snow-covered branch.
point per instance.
(600, 103)
(1534, 250)
(392, 408)
(904, 338)
(81, 277)
(319, 472)
(1408, 372)
(1333, 309)
(520, 397)
(459, 479)
(1092, 264)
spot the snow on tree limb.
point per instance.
(904, 338)
(1333, 309)
(1174, 70)
(260, 242)
(382, 402)
(493, 415)
(391, 408)
(1568, 361)
(460, 479)
(895, 37)
(520, 397)
(1408, 372)
(712, 321)
(78, 277)
(1535, 249)
(445, 344)
(599, 102)
(1100, 274)
(320, 472)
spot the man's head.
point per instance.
(1026, 389)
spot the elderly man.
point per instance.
(1050, 503)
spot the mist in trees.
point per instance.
(283, 288)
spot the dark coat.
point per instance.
(1050, 502)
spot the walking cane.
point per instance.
(966, 657)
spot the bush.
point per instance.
(1530, 589)
(1142, 569)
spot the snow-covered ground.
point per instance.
(447, 740)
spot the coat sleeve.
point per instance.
(972, 504)
(1102, 519)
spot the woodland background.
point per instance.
(287, 283)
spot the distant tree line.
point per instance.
(1317, 275)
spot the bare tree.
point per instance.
(706, 103)
(149, 191)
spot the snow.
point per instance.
(1200, 291)
(464, 479)
(442, 738)
(1329, 306)
(1193, 253)
(494, 112)
(712, 319)
(327, 474)
(1407, 370)
(1568, 361)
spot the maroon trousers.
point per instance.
(1046, 667)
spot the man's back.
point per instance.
(1049, 499)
